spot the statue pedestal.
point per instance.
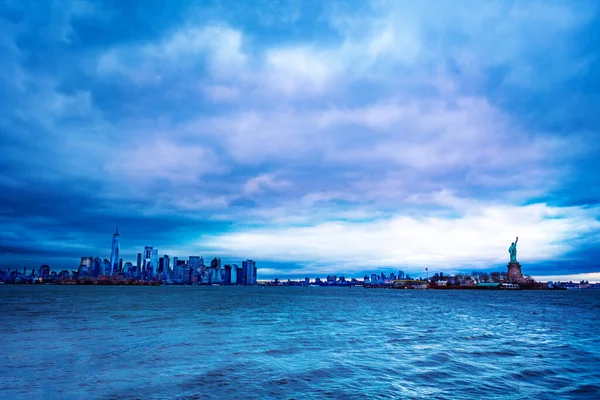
(514, 272)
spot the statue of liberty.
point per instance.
(512, 250)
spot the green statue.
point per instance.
(512, 250)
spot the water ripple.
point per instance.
(302, 343)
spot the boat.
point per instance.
(510, 286)
(420, 286)
(215, 284)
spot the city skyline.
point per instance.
(316, 137)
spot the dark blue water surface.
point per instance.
(278, 342)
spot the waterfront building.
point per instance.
(177, 275)
(86, 265)
(166, 267)
(154, 259)
(187, 275)
(146, 257)
(64, 274)
(215, 271)
(226, 276)
(128, 267)
(114, 253)
(139, 262)
(150, 266)
(249, 272)
(44, 271)
(96, 267)
(235, 273)
(82, 271)
(106, 267)
(194, 265)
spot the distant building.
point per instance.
(114, 254)
(166, 267)
(146, 257)
(194, 264)
(249, 272)
(235, 274)
(86, 265)
(44, 271)
(128, 267)
(97, 266)
(139, 262)
(106, 267)
(226, 276)
(215, 270)
(150, 266)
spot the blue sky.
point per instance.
(315, 137)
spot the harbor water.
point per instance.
(108, 342)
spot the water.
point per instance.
(252, 342)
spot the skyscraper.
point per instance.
(154, 259)
(249, 272)
(86, 265)
(114, 254)
(166, 265)
(139, 263)
(235, 274)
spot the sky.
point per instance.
(315, 137)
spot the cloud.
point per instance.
(217, 47)
(299, 70)
(264, 182)
(156, 159)
(477, 238)
(324, 125)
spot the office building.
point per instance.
(114, 254)
(249, 272)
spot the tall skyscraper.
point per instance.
(96, 267)
(114, 254)
(166, 265)
(249, 272)
(146, 258)
(154, 259)
(226, 274)
(139, 263)
(235, 274)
